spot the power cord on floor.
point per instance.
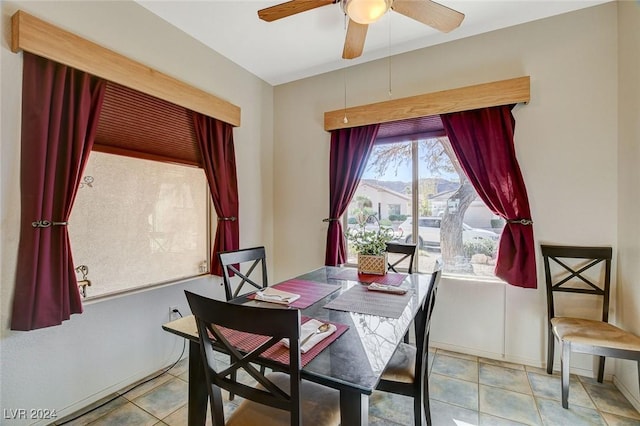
(184, 345)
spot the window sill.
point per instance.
(119, 294)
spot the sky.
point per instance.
(403, 174)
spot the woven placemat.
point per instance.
(310, 292)
(359, 299)
(246, 342)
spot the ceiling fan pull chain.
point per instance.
(345, 120)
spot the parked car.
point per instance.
(429, 232)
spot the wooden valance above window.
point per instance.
(48, 41)
(504, 92)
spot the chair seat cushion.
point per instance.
(595, 333)
(402, 366)
(320, 405)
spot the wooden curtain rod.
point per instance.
(43, 39)
(503, 92)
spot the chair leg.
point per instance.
(601, 369)
(417, 410)
(565, 367)
(421, 411)
(550, 350)
(427, 411)
(232, 395)
(425, 400)
(233, 377)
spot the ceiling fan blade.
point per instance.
(430, 13)
(354, 42)
(289, 8)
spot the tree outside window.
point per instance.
(453, 224)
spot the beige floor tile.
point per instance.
(476, 391)
(164, 399)
(501, 363)
(142, 387)
(126, 415)
(460, 368)
(456, 354)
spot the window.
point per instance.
(452, 222)
(137, 223)
(394, 210)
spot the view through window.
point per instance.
(422, 180)
(137, 223)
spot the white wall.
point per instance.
(566, 142)
(116, 342)
(628, 253)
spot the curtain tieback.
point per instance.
(330, 219)
(232, 218)
(47, 224)
(520, 221)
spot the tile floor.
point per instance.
(465, 390)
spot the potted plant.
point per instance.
(371, 246)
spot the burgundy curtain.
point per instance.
(219, 160)
(483, 142)
(350, 149)
(60, 111)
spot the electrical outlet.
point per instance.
(173, 315)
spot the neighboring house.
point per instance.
(384, 201)
(477, 215)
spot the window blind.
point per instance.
(410, 129)
(139, 125)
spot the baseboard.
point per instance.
(486, 354)
(87, 404)
(516, 360)
(627, 393)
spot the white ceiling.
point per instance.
(311, 42)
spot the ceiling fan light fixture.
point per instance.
(366, 11)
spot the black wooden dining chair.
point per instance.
(407, 371)
(279, 398)
(233, 262)
(406, 254)
(583, 270)
(232, 265)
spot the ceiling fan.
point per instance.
(361, 13)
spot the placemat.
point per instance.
(359, 299)
(246, 342)
(310, 292)
(390, 278)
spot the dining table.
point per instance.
(372, 324)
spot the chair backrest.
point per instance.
(407, 253)
(217, 322)
(585, 270)
(423, 322)
(231, 262)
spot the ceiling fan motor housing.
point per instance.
(365, 11)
